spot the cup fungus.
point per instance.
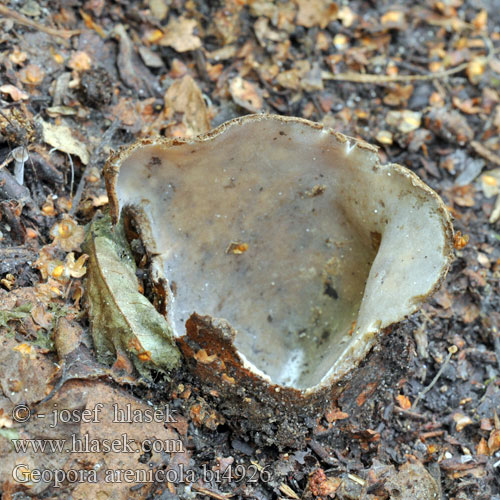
(287, 248)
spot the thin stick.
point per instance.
(382, 79)
(485, 152)
(210, 493)
(409, 413)
(20, 19)
(434, 380)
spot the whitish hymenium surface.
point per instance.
(295, 236)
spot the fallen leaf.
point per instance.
(340, 41)
(61, 138)
(32, 75)
(398, 95)
(89, 22)
(159, 8)
(316, 12)
(335, 414)
(226, 21)
(393, 19)
(289, 79)
(468, 106)
(495, 214)
(403, 401)
(122, 319)
(132, 72)
(482, 447)
(412, 482)
(494, 441)
(202, 357)
(14, 93)
(80, 61)
(405, 121)
(17, 56)
(461, 421)
(347, 16)
(451, 125)
(384, 137)
(184, 97)
(179, 35)
(150, 58)
(480, 22)
(475, 69)
(245, 94)
(490, 182)
(463, 196)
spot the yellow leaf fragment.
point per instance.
(18, 56)
(237, 248)
(404, 402)
(80, 61)
(89, 22)
(26, 350)
(384, 137)
(475, 69)
(461, 421)
(202, 357)
(32, 75)
(482, 448)
(406, 121)
(245, 94)
(480, 22)
(392, 17)
(179, 34)
(14, 93)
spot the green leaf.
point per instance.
(123, 321)
(20, 312)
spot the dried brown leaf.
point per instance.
(184, 97)
(316, 12)
(179, 34)
(245, 94)
(14, 93)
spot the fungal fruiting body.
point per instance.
(288, 235)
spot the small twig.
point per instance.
(427, 435)
(322, 453)
(7, 160)
(485, 152)
(20, 19)
(286, 490)
(409, 413)
(72, 171)
(496, 344)
(382, 79)
(106, 138)
(434, 380)
(210, 493)
(72, 175)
